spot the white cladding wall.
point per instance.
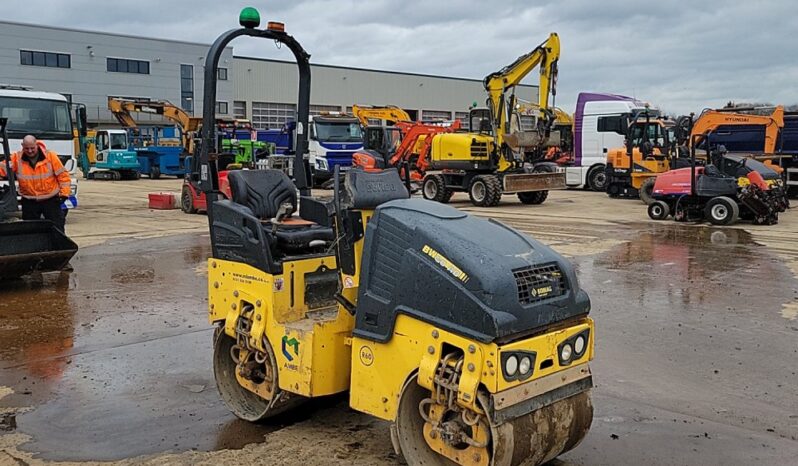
(259, 80)
(89, 82)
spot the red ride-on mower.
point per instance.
(720, 196)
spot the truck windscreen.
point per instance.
(45, 119)
(338, 131)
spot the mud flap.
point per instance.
(33, 245)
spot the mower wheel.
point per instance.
(658, 210)
(647, 191)
(722, 210)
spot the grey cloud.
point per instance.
(682, 56)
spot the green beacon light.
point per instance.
(249, 18)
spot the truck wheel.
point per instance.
(658, 210)
(597, 179)
(485, 191)
(434, 189)
(187, 201)
(647, 191)
(533, 198)
(722, 210)
(155, 173)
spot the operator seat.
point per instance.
(272, 198)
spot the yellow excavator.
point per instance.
(495, 156)
(476, 351)
(391, 113)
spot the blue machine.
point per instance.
(159, 151)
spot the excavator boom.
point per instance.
(498, 83)
(122, 109)
(364, 113)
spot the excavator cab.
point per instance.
(26, 246)
(472, 339)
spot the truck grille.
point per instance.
(539, 283)
(479, 149)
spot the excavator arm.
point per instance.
(389, 112)
(498, 84)
(122, 109)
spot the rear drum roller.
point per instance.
(242, 402)
(531, 439)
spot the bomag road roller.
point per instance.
(472, 339)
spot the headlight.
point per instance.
(565, 352)
(517, 365)
(579, 344)
(573, 348)
(511, 365)
(525, 365)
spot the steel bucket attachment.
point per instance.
(33, 245)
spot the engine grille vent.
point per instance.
(539, 283)
(479, 149)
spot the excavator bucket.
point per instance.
(33, 245)
(26, 246)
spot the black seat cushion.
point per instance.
(299, 239)
(263, 191)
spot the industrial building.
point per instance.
(88, 67)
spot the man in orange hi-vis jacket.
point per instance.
(43, 181)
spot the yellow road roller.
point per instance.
(471, 338)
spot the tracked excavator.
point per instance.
(495, 156)
(26, 246)
(405, 145)
(476, 351)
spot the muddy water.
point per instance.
(115, 356)
(694, 362)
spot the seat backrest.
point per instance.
(263, 191)
(366, 190)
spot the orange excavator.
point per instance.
(406, 142)
(718, 124)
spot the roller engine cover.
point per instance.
(476, 277)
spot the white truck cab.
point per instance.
(590, 145)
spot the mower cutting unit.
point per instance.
(728, 188)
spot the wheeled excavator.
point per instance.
(475, 351)
(495, 156)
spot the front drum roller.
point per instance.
(531, 439)
(244, 403)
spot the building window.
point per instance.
(319, 109)
(49, 59)
(240, 109)
(187, 87)
(432, 115)
(221, 74)
(269, 115)
(221, 108)
(123, 65)
(462, 117)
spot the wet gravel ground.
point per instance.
(695, 356)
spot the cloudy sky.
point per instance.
(680, 55)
